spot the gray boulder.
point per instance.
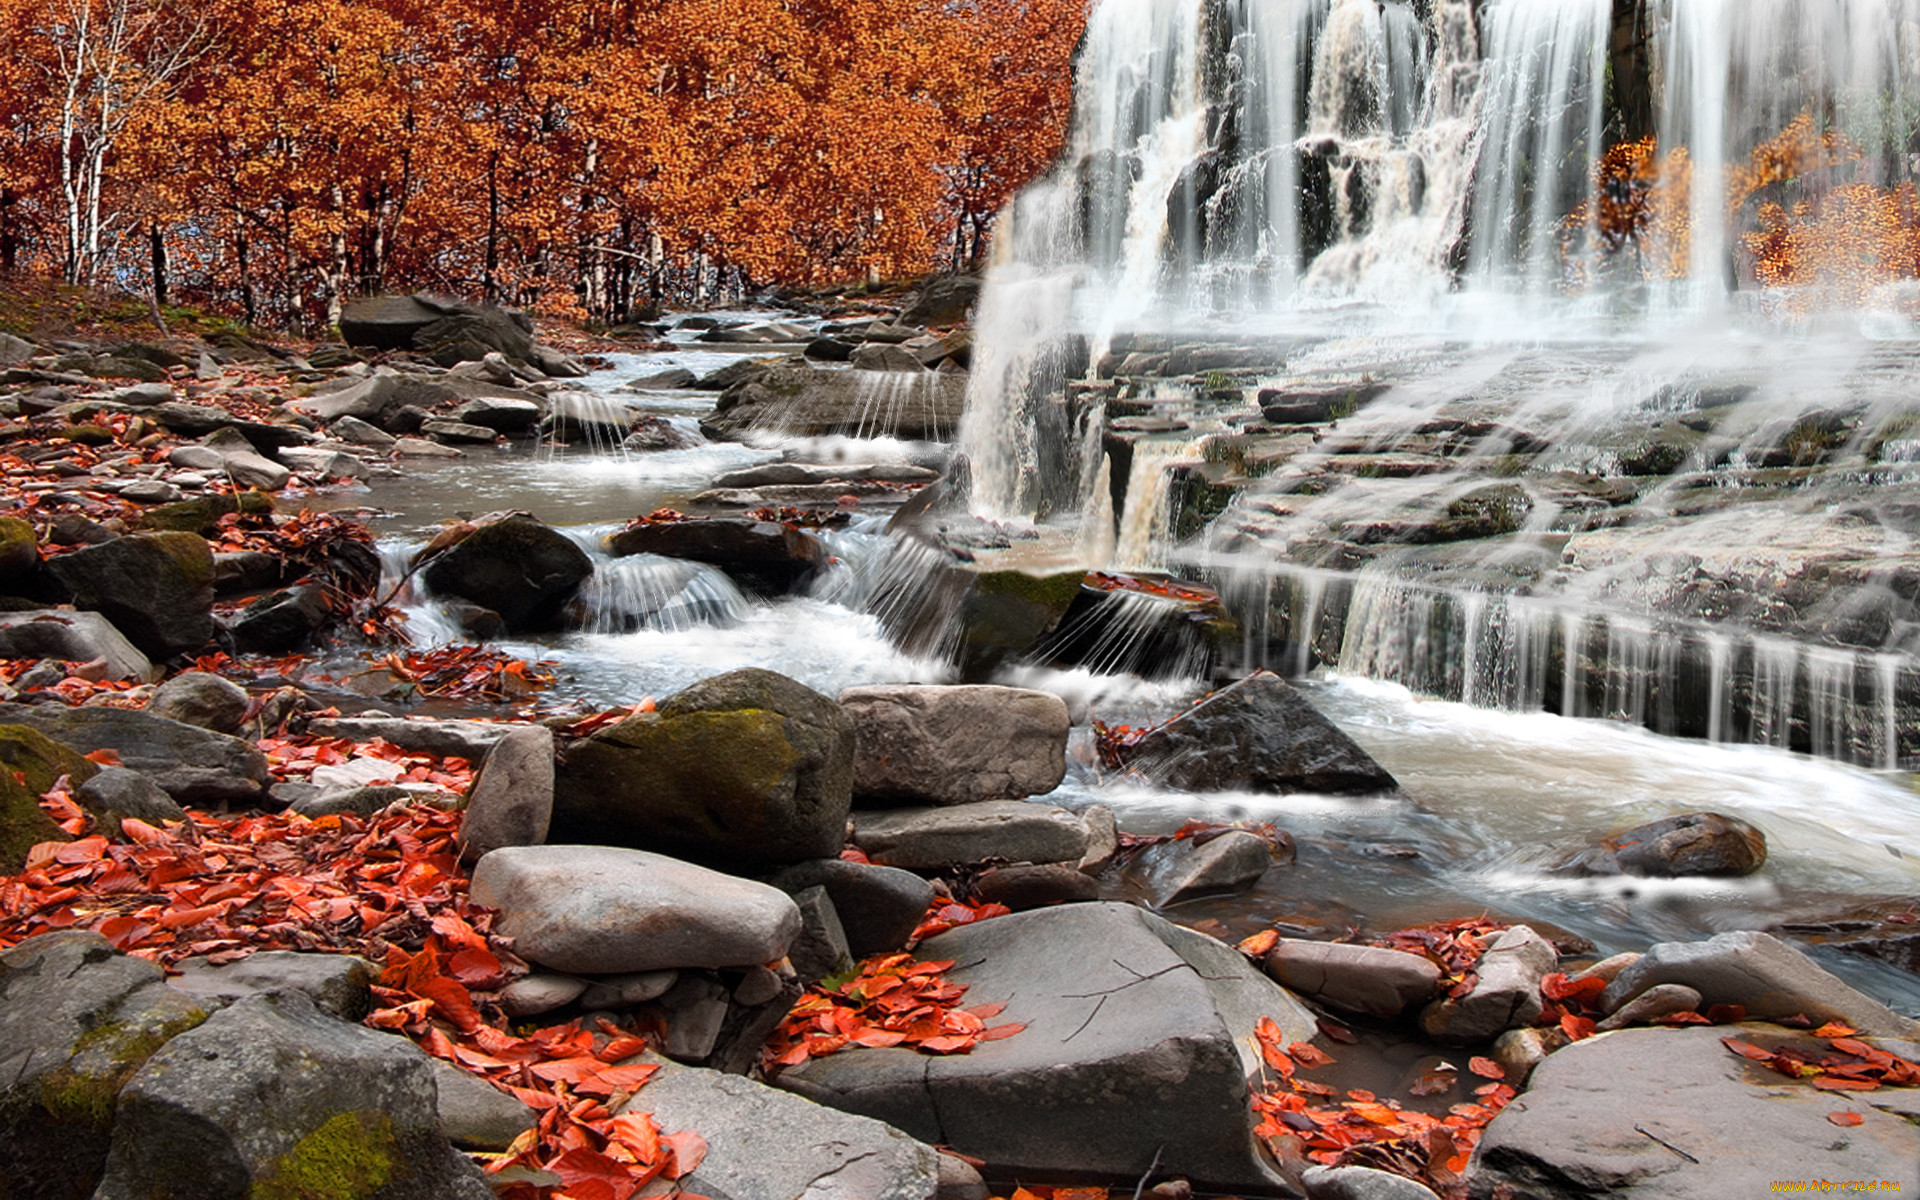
(1758, 971)
(1258, 735)
(955, 745)
(1361, 1183)
(1670, 1114)
(1661, 1000)
(274, 1097)
(283, 621)
(942, 300)
(519, 568)
(1187, 869)
(932, 838)
(337, 983)
(71, 637)
(197, 698)
(511, 802)
(881, 356)
(600, 910)
(1029, 885)
(123, 792)
(156, 588)
(77, 1020)
(501, 414)
(878, 907)
(194, 765)
(361, 801)
(368, 401)
(540, 992)
(1137, 1043)
(1365, 979)
(474, 1114)
(1505, 995)
(748, 768)
(819, 1153)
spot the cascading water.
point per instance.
(1488, 242)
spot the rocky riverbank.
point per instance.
(747, 939)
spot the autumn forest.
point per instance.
(589, 158)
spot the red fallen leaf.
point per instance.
(998, 1032)
(585, 1166)
(1311, 1088)
(1835, 1083)
(949, 1044)
(123, 931)
(608, 1080)
(568, 1070)
(1362, 1095)
(1796, 1021)
(1308, 1055)
(1846, 1120)
(1260, 944)
(1558, 986)
(1577, 1027)
(624, 1046)
(104, 756)
(1727, 1014)
(1486, 1068)
(1338, 1032)
(1747, 1050)
(689, 1151)
(1433, 1083)
(1682, 1018)
(474, 967)
(1836, 1029)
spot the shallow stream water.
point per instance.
(1492, 799)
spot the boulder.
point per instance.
(1670, 1114)
(1258, 735)
(272, 1097)
(77, 1020)
(541, 992)
(474, 1114)
(338, 983)
(156, 588)
(511, 801)
(747, 768)
(659, 381)
(763, 556)
(934, 838)
(117, 792)
(14, 351)
(924, 406)
(1365, 979)
(413, 447)
(821, 949)
(955, 745)
(587, 417)
(1693, 844)
(603, 910)
(1661, 1000)
(356, 432)
(1026, 885)
(71, 637)
(878, 907)
(879, 356)
(501, 414)
(283, 621)
(1505, 994)
(194, 765)
(739, 371)
(819, 1153)
(23, 823)
(458, 432)
(323, 463)
(471, 740)
(368, 401)
(1136, 1045)
(359, 800)
(1188, 869)
(1759, 972)
(197, 698)
(942, 300)
(519, 568)
(651, 434)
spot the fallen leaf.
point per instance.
(1846, 1119)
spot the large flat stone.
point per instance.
(929, 838)
(819, 1153)
(1368, 979)
(599, 910)
(72, 637)
(194, 765)
(1671, 1114)
(1259, 735)
(955, 745)
(1138, 1040)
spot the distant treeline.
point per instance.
(275, 157)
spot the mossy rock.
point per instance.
(191, 551)
(1007, 613)
(351, 1155)
(89, 435)
(19, 549)
(202, 515)
(40, 759)
(23, 824)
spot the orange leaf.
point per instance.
(1835, 1029)
(1846, 1119)
(1834, 1083)
(106, 757)
(1486, 1068)
(1260, 944)
(1747, 1050)
(689, 1151)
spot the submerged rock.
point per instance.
(1258, 735)
(1187, 869)
(1694, 844)
(748, 768)
(923, 406)
(765, 556)
(1137, 1043)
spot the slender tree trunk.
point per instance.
(492, 278)
(337, 259)
(249, 301)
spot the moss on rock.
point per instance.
(351, 1155)
(203, 515)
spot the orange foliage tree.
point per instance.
(278, 157)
